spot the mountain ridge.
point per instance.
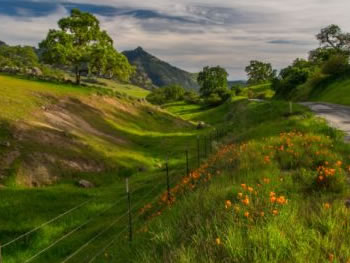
(159, 72)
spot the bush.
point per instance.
(336, 65)
(192, 97)
(213, 100)
(166, 94)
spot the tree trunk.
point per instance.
(77, 75)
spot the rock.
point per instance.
(5, 144)
(201, 125)
(36, 71)
(347, 204)
(85, 184)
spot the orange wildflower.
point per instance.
(275, 212)
(250, 189)
(246, 201)
(244, 186)
(262, 214)
(326, 205)
(273, 199)
(339, 163)
(246, 214)
(218, 241)
(228, 204)
(331, 257)
(240, 195)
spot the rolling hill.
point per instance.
(160, 73)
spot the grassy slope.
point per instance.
(258, 91)
(270, 152)
(100, 136)
(337, 92)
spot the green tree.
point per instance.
(80, 43)
(211, 79)
(259, 72)
(333, 42)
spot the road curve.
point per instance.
(337, 116)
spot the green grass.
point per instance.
(262, 91)
(271, 151)
(133, 138)
(337, 92)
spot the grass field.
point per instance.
(273, 192)
(91, 137)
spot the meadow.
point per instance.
(122, 137)
(274, 191)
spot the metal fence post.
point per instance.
(187, 167)
(198, 153)
(167, 179)
(129, 209)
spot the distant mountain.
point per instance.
(2, 43)
(160, 73)
(237, 82)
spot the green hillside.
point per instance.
(273, 192)
(52, 136)
(333, 91)
(158, 71)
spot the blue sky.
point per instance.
(190, 33)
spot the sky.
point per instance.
(190, 34)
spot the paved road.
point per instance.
(337, 116)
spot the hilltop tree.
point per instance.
(333, 42)
(81, 44)
(259, 72)
(211, 79)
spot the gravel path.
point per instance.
(337, 116)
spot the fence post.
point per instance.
(198, 153)
(211, 142)
(187, 167)
(167, 179)
(129, 209)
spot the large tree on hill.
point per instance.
(81, 44)
(333, 42)
(212, 79)
(259, 72)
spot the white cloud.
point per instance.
(237, 31)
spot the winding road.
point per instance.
(338, 116)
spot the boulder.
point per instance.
(201, 125)
(85, 184)
(36, 71)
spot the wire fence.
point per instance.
(200, 153)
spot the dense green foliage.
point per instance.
(80, 43)
(166, 94)
(328, 62)
(153, 71)
(214, 85)
(259, 72)
(18, 57)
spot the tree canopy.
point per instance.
(81, 44)
(259, 72)
(211, 79)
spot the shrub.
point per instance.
(336, 65)
(213, 100)
(191, 97)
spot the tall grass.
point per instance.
(273, 192)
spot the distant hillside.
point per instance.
(159, 72)
(2, 43)
(237, 82)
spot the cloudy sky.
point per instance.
(190, 33)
